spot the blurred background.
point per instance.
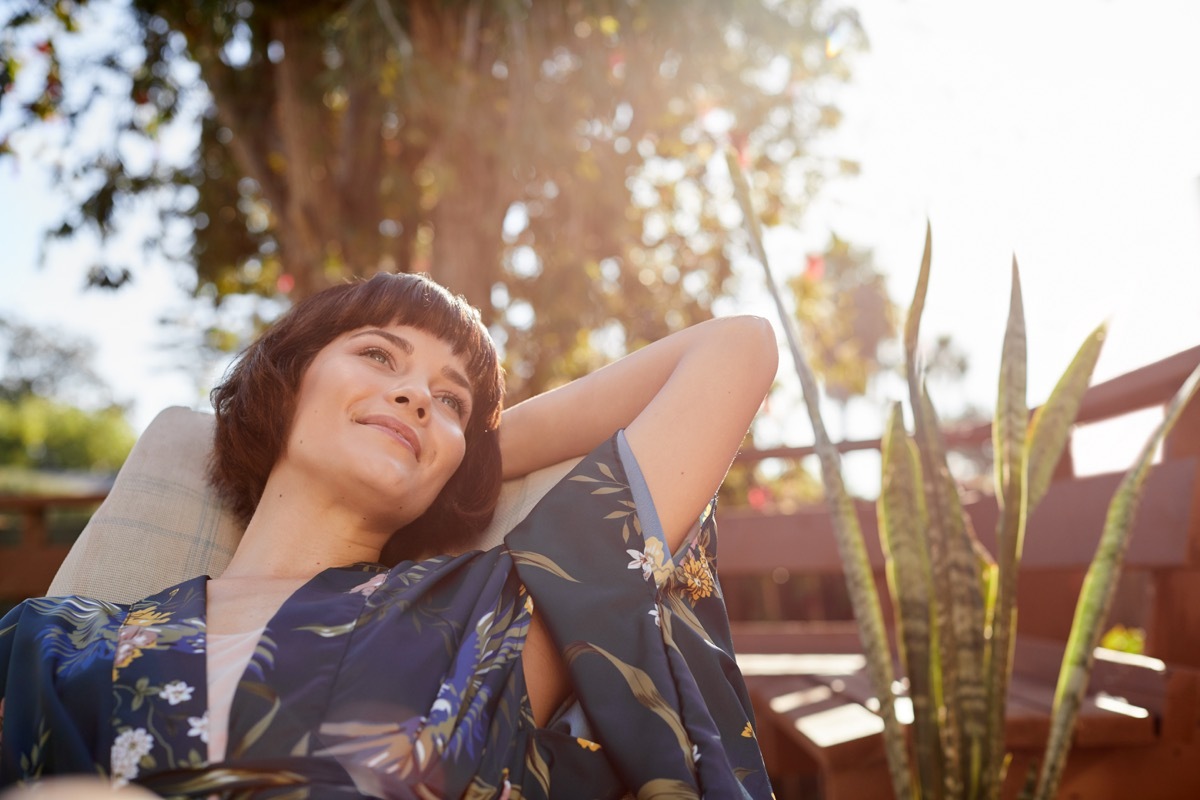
(174, 174)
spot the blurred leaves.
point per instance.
(46, 363)
(1126, 640)
(846, 314)
(38, 433)
(849, 324)
(55, 412)
(548, 160)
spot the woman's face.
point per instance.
(380, 420)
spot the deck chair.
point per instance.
(161, 523)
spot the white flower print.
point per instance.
(639, 562)
(199, 727)
(654, 613)
(637, 559)
(176, 692)
(127, 751)
(652, 561)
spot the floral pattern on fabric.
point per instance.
(408, 683)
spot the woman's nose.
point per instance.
(416, 400)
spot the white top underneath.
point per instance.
(227, 655)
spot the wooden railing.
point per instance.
(28, 565)
(1147, 387)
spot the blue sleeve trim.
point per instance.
(647, 512)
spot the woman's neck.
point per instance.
(296, 533)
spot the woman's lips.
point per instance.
(396, 429)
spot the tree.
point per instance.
(44, 379)
(850, 325)
(547, 159)
(847, 315)
(44, 434)
(47, 364)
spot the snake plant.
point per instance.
(954, 601)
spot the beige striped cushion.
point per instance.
(161, 524)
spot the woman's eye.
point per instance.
(375, 354)
(453, 402)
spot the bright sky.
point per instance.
(1066, 132)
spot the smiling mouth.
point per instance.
(396, 430)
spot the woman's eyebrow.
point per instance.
(399, 341)
(457, 377)
(407, 347)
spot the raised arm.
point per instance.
(685, 402)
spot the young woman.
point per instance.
(587, 656)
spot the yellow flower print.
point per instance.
(748, 731)
(697, 578)
(146, 617)
(586, 745)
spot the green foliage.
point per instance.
(1125, 640)
(21, 480)
(843, 306)
(46, 363)
(38, 433)
(548, 160)
(850, 329)
(55, 412)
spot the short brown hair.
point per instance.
(256, 401)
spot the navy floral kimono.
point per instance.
(407, 683)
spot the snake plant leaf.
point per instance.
(1012, 411)
(946, 676)
(995, 765)
(902, 536)
(912, 323)
(1095, 598)
(860, 580)
(1008, 444)
(1051, 426)
(962, 653)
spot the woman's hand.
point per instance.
(685, 402)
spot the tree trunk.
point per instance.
(468, 221)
